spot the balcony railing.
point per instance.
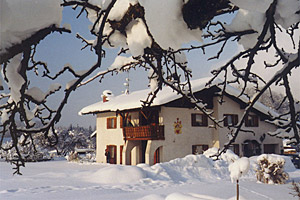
(148, 132)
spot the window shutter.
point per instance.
(205, 120)
(236, 119)
(115, 122)
(225, 120)
(107, 123)
(193, 120)
(247, 121)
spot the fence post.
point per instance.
(237, 189)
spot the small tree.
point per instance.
(238, 168)
(31, 152)
(270, 169)
(68, 140)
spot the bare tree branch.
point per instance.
(27, 43)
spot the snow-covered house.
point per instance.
(172, 128)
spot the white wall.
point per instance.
(180, 145)
(107, 136)
(231, 107)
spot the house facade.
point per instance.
(172, 128)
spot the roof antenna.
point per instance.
(126, 84)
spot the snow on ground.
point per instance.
(190, 178)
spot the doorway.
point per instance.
(157, 155)
(144, 146)
(113, 153)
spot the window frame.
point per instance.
(109, 124)
(252, 122)
(203, 148)
(204, 120)
(121, 154)
(234, 117)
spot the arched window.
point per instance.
(251, 148)
(157, 155)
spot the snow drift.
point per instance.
(191, 167)
(179, 170)
(117, 174)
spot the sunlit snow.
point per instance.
(192, 177)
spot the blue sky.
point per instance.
(59, 49)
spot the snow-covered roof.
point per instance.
(166, 95)
(133, 100)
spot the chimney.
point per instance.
(104, 98)
(106, 95)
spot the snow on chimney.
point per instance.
(106, 95)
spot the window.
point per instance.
(199, 120)
(251, 148)
(235, 148)
(147, 117)
(111, 122)
(128, 122)
(157, 155)
(113, 154)
(199, 149)
(230, 119)
(251, 121)
(270, 148)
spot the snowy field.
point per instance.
(189, 178)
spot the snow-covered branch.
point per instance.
(34, 39)
(153, 35)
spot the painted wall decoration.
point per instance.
(177, 127)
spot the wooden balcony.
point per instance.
(149, 132)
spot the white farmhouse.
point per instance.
(172, 128)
